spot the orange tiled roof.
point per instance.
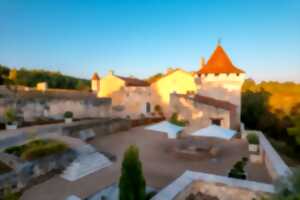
(134, 82)
(95, 77)
(219, 62)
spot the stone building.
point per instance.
(130, 96)
(175, 80)
(218, 99)
(210, 96)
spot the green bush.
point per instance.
(238, 169)
(174, 120)
(68, 114)
(10, 195)
(10, 116)
(252, 138)
(42, 151)
(37, 149)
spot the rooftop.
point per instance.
(134, 82)
(219, 62)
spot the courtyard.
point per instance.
(160, 166)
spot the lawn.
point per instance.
(37, 149)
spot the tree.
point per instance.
(132, 183)
(295, 130)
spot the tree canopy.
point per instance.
(30, 78)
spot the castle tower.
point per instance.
(95, 83)
(220, 79)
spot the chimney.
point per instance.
(111, 72)
(170, 69)
(202, 61)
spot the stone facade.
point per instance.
(198, 115)
(130, 96)
(225, 87)
(178, 81)
(54, 103)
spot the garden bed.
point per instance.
(4, 168)
(37, 149)
(146, 121)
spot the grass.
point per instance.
(4, 168)
(37, 149)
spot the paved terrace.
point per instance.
(160, 167)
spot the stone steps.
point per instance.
(85, 165)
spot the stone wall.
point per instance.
(224, 188)
(275, 165)
(53, 104)
(100, 126)
(221, 191)
(23, 172)
(199, 115)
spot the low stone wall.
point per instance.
(101, 126)
(275, 165)
(221, 187)
(54, 103)
(24, 172)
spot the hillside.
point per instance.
(30, 78)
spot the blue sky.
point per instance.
(144, 37)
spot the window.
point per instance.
(216, 121)
(148, 107)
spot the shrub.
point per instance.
(174, 120)
(158, 110)
(238, 169)
(252, 138)
(43, 150)
(37, 149)
(10, 116)
(68, 114)
(132, 184)
(10, 195)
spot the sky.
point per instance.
(145, 37)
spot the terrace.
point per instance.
(160, 166)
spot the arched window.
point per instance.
(148, 107)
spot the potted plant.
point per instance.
(10, 118)
(68, 117)
(253, 142)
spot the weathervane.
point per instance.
(219, 41)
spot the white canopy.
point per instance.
(166, 127)
(73, 197)
(215, 131)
